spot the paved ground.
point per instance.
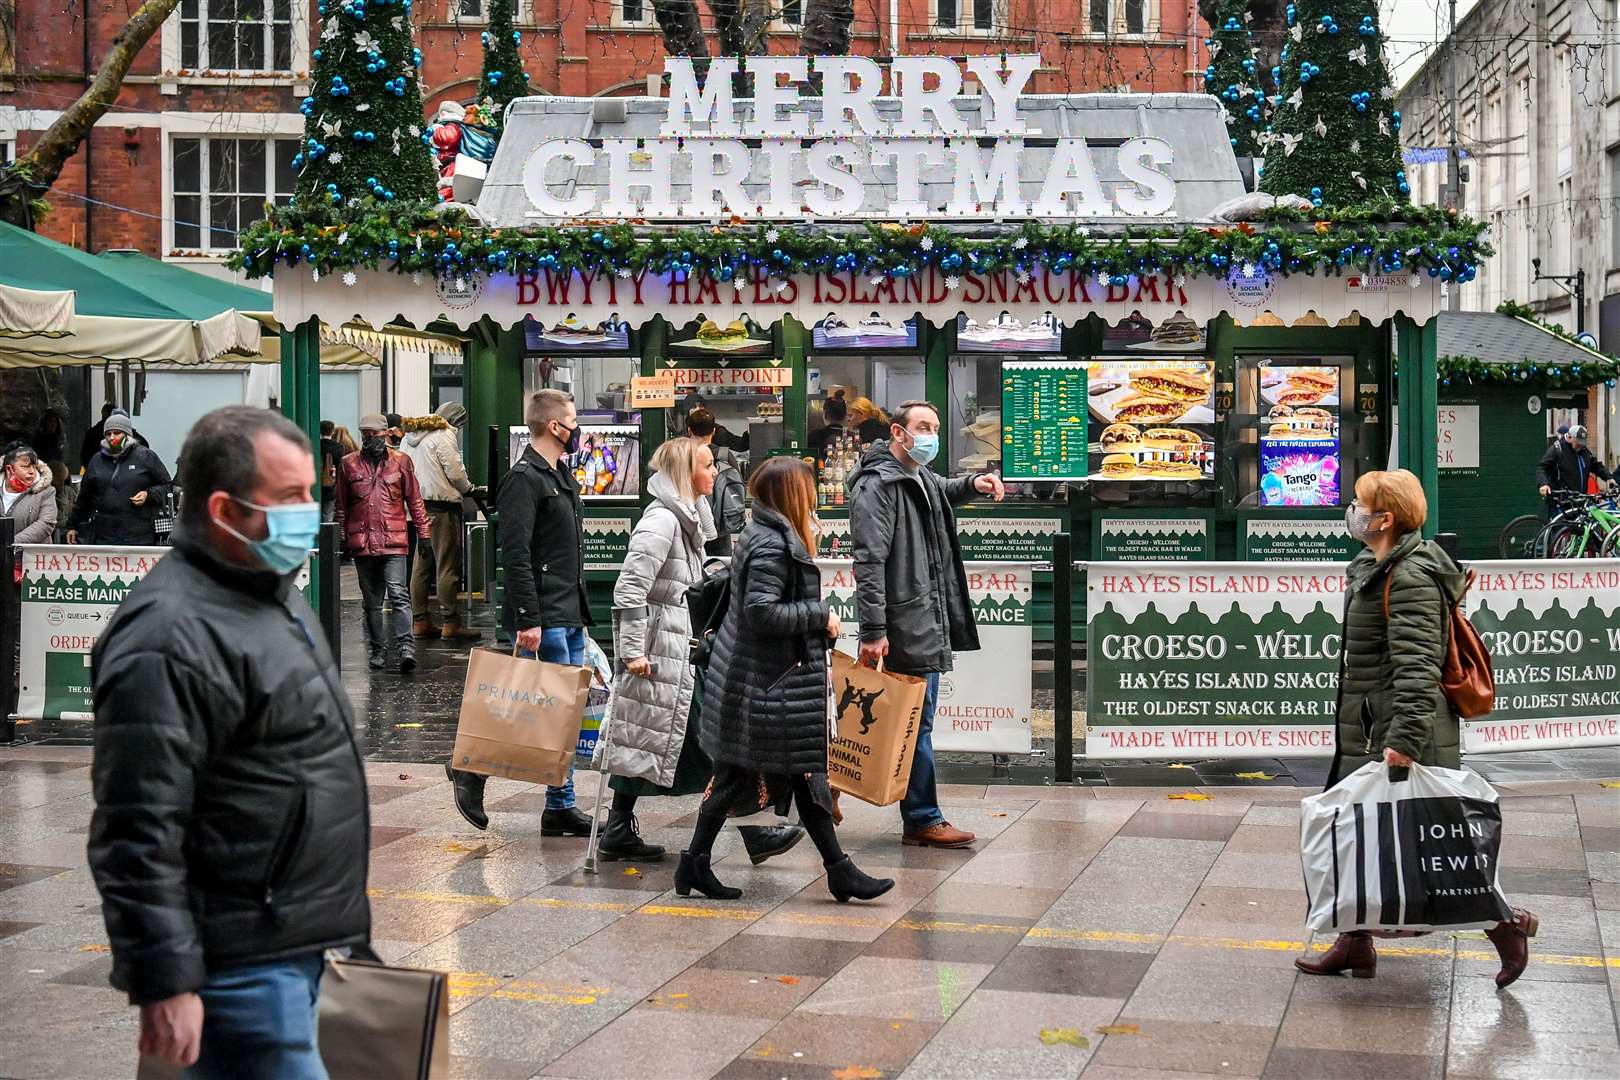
(1112, 932)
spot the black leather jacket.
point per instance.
(542, 535)
(231, 825)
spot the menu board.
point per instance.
(1043, 420)
(1299, 434)
(1157, 418)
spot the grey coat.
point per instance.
(35, 513)
(645, 723)
(909, 582)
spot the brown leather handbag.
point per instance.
(1466, 677)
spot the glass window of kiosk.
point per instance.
(1287, 428)
(593, 363)
(972, 424)
(726, 371)
(860, 368)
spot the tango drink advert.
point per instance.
(985, 699)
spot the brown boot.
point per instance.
(454, 631)
(1512, 941)
(1352, 952)
(942, 835)
(424, 628)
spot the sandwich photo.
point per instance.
(1167, 382)
(1299, 395)
(1119, 466)
(1280, 431)
(1314, 379)
(1170, 470)
(1142, 408)
(1120, 436)
(1279, 412)
(732, 337)
(1178, 333)
(1170, 438)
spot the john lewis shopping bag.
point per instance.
(875, 717)
(520, 718)
(1414, 854)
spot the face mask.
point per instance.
(374, 446)
(290, 532)
(116, 443)
(923, 447)
(570, 445)
(1358, 523)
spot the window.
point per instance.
(945, 14)
(236, 35)
(221, 186)
(1099, 16)
(1136, 16)
(627, 12)
(1114, 17)
(1613, 208)
(8, 151)
(469, 10)
(975, 17)
(984, 15)
(792, 13)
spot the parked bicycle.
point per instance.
(1585, 526)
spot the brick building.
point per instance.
(207, 123)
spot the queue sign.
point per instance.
(1043, 420)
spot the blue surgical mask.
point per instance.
(924, 446)
(290, 532)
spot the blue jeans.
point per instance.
(382, 580)
(920, 807)
(259, 1022)
(561, 645)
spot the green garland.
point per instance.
(425, 239)
(1472, 370)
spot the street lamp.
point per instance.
(1563, 281)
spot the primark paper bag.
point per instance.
(1415, 854)
(875, 718)
(520, 718)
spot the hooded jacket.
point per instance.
(1389, 669)
(909, 582)
(430, 442)
(647, 717)
(35, 512)
(104, 514)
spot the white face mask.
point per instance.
(1358, 523)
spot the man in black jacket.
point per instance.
(123, 489)
(911, 588)
(230, 834)
(1567, 464)
(542, 536)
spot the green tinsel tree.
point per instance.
(1233, 77)
(1334, 136)
(363, 126)
(504, 78)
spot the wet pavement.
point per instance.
(1114, 932)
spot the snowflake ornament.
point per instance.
(336, 157)
(415, 130)
(416, 277)
(1021, 243)
(1248, 270)
(1355, 146)
(772, 236)
(1023, 277)
(364, 106)
(349, 278)
(927, 243)
(623, 272)
(951, 282)
(343, 237)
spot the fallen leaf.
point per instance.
(631, 871)
(1119, 1029)
(95, 948)
(1189, 796)
(1255, 776)
(857, 1072)
(397, 726)
(1609, 783)
(404, 776)
(1177, 765)
(455, 847)
(1064, 1037)
(1002, 814)
(788, 980)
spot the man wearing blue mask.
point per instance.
(911, 587)
(230, 835)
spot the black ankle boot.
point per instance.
(768, 841)
(469, 796)
(621, 840)
(846, 881)
(694, 873)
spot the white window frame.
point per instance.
(297, 75)
(452, 12)
(648, 20)
(1116, 20)
(778, 25)
(964, 20)
(183, 125)
(8, 148)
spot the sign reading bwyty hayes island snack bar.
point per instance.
(985, 538)
(1297, 539)
(985, 700)
(1128, 538)
(1212, 660)
(1553, 630)
(68, 595)
(607, 540)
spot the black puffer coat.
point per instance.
(1389, 675)
(765, 695)
(231, 824)
(104, 514)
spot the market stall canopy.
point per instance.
(30, 312)
(1494, 338)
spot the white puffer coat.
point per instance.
(645, 724)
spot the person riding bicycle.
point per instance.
(1566, 466)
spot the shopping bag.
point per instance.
(1412, 854)
(384, 1023)
(875, 716)
(596, 700)
(520, 718)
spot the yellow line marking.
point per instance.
(498, 901)
(687, 911)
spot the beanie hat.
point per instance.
(118, 421)
(453, 411)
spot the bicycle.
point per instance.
(1589, 527)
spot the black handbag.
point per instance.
(707, 602)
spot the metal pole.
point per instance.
(1453, 163)
(1063, 657)
(1580, 301)
(329, 594)
(10, 631)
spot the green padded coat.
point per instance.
(1389, 670)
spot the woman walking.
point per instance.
(651, 744)
(765, 712)
(1391, 705)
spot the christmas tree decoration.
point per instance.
(1335, 94)
(1233, 77)
(364, 97)
(504, 78)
